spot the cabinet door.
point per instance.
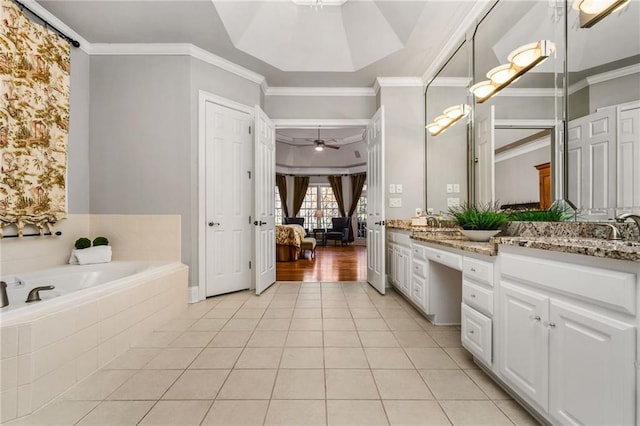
(592, 372)
(524, 345)
(390, 263)
(406, 269)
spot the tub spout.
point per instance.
(34, 294)
(4, 299)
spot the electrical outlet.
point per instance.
(429, 210)
(398, 188)
(449, 188)
(453, 202)
(395, 202)
(456, 188)
(392, 188)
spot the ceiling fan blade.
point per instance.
(331, 146)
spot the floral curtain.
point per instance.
(34, 121)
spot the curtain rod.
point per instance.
(74, 43)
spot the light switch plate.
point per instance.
(449, 188)
(456, 188)
(429, 210)
(398, 188)
(453, 202)
(392, 188)
(395, 202)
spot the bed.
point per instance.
(288, 242)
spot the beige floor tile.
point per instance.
(451, 384)
(334, 304)
(274, 324)
(356, 413)
(308, 304)
(345, 358)
(378, 339)
(447, 339)
(146, 384)
(304, 324)
(336, 313)
(431, 359)
(230, 339)
(223, 313)
(302, 358)
(177, 413)
(390, 312)
(351, 384)
(237, 413)
(267, 339)
(157, 339)
(278, 313)
(296, 412)
(388, 358)
(403, 324)
(117, 413)
(133, 359)
(283, 304)
(259, 358)
(338, 324)
(249, 313)
(193, 339)
(474, 413)
(516, 413)
(487, 385)
(197, 384)
(248, 384)
(240, 324)
(230, 303)
(307, 313)
(177, 325)
(401, 384)
(304, 339)
(58, 412)
(216, 358)
(412, 413)
(209, 324)
(170, 358)
(415, 339)
(365, 312)
(299, 384)
(462, 357)
(371, 324)
(342, 339)
(99, 385)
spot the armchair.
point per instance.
(339, 230)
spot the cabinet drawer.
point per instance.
(451, 260)
(476, 334)
(403, 239)
(419, 268)
(418, 252)
(478, 270)
(477, 297)
(418, 289)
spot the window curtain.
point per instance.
(300, 185)
(336, 186)
(281, 183)
(357, 183)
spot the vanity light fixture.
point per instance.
(447, 119)
(520, 60)
(593, 11)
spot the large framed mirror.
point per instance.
(517, 109)
(447, 114)
(603, 110)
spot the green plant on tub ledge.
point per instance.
(479, 222)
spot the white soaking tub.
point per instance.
(95, 313)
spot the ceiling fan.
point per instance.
(322, 144)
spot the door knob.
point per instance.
(259, 223)
(214, 224)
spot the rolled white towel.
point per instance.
(98, 254)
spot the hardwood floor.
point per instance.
(331, 264)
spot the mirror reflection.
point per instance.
(604, 112)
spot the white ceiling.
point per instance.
(289, 44)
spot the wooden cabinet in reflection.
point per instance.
(544, 183)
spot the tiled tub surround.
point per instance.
(47, 351)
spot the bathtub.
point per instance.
(94, 314)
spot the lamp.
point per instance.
(319, 148)
(318, 215)
(593, 11)
(520, 60)
(447, 119)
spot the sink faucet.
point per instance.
(433, 219)
(623, 217)
(4, 299)
(614, 233)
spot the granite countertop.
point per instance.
(487, 249)
(610, 249)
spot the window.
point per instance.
(319, 197)
(278, 205)
(361, 213)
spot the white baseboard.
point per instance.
(194, 294)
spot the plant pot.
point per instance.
(478, 235)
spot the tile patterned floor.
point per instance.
(300, 354)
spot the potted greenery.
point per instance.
(479, 222)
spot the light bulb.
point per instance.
(501, 74)
(593, 7)
(482, 89)
(433, 128)
(442, 120)
(526, 55)
(319, 148)
(456, 111)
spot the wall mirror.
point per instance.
(447, 104)
(603, 110)
(518, 51)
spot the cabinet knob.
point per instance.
(473, 296)
(472, 269)
(550, 324)
(471, 331)
(535, 318)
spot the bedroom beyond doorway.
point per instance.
(331, 264)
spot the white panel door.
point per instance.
(629, 160)
(592, 163)
(264, 217)
(228, 199)
(592, 371)
(485, 157)
(524, 361)
(375, 202)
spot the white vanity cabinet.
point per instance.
(567, 334)
(399, 261)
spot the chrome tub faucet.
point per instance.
(4, 299)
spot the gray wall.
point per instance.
(341, 107)
(614, 92)
(517, 177)
(78, 141)
(404, 148)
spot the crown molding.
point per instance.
(321, 171)
(307, 123)
(527, 92)
(450, 82)
(85, 46)
(605, 76)
(532, 123)
(396, 82)
(319, 91)
(523, 149)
